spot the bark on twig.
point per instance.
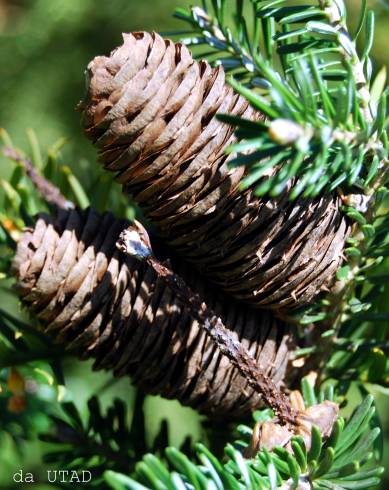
(134, 242)
(47, 190)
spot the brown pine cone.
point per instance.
(150, 111)
(104, 305)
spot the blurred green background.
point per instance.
(45, 46)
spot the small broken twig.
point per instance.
(48, 191)
(134, 241)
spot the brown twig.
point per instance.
(134, 241)
(48, 191)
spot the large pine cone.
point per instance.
(150, 111)
(107, 306)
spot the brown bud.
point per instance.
(16, 404)
(270, 434)
(16, 383)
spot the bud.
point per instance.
(16, 383)
(285, 132)
(270, 434)
(322, 415)
(11, 227)
(16, 404)
(358, 201)
(134, 241)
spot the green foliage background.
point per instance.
(45, 46)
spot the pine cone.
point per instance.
(104, 305)
(150, 111)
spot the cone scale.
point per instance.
(150, 112)
(103, 305)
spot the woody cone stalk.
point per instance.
(104, 305)
(150, 110)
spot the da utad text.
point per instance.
(55, 476)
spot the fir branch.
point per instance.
(219, 37)
(321, 134)
(335, 13)
(47, 190)
(339, 462)
(113, 439)
(323, 122)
